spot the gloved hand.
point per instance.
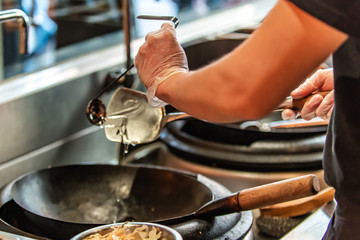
(159, 58)
(317, 106)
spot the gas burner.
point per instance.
(228, 148)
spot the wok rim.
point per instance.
(163, 221)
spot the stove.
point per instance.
(224, 167)
(237, 160)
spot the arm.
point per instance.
(254, 78)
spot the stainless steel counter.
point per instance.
(313, 227)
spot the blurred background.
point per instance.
(62, 29)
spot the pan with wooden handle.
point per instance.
(256, 197)
(300, 206)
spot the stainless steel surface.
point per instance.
(166, 232)
(131, 120)
(313, 227)
(23, 25)
(273, 125)
(33, 121)
(86, 146)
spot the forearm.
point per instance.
(214, 95)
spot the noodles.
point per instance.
(124, 232)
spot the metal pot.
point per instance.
(166, 232)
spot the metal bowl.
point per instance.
(168, 233)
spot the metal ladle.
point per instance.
(96, 110)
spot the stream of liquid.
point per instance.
(123, 184)
(122, 194)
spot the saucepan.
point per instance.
(64, 201)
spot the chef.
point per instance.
(249, 82)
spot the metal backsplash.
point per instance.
(43, 119)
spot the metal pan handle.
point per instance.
(173, 19)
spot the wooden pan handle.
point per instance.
(300, 206)
(261, 196)
(277, 192)
(299, 103)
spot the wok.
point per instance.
(64, 201)
(67, 200)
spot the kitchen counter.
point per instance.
(313, 227)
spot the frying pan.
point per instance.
(67, 200)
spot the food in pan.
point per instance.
(126, 233)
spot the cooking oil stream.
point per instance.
(123, 188)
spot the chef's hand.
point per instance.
(159, 58)
(317, 106)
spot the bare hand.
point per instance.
(317, 106)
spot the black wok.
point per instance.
(64, 201)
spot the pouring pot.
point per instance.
(131, 120)
(64, 201)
